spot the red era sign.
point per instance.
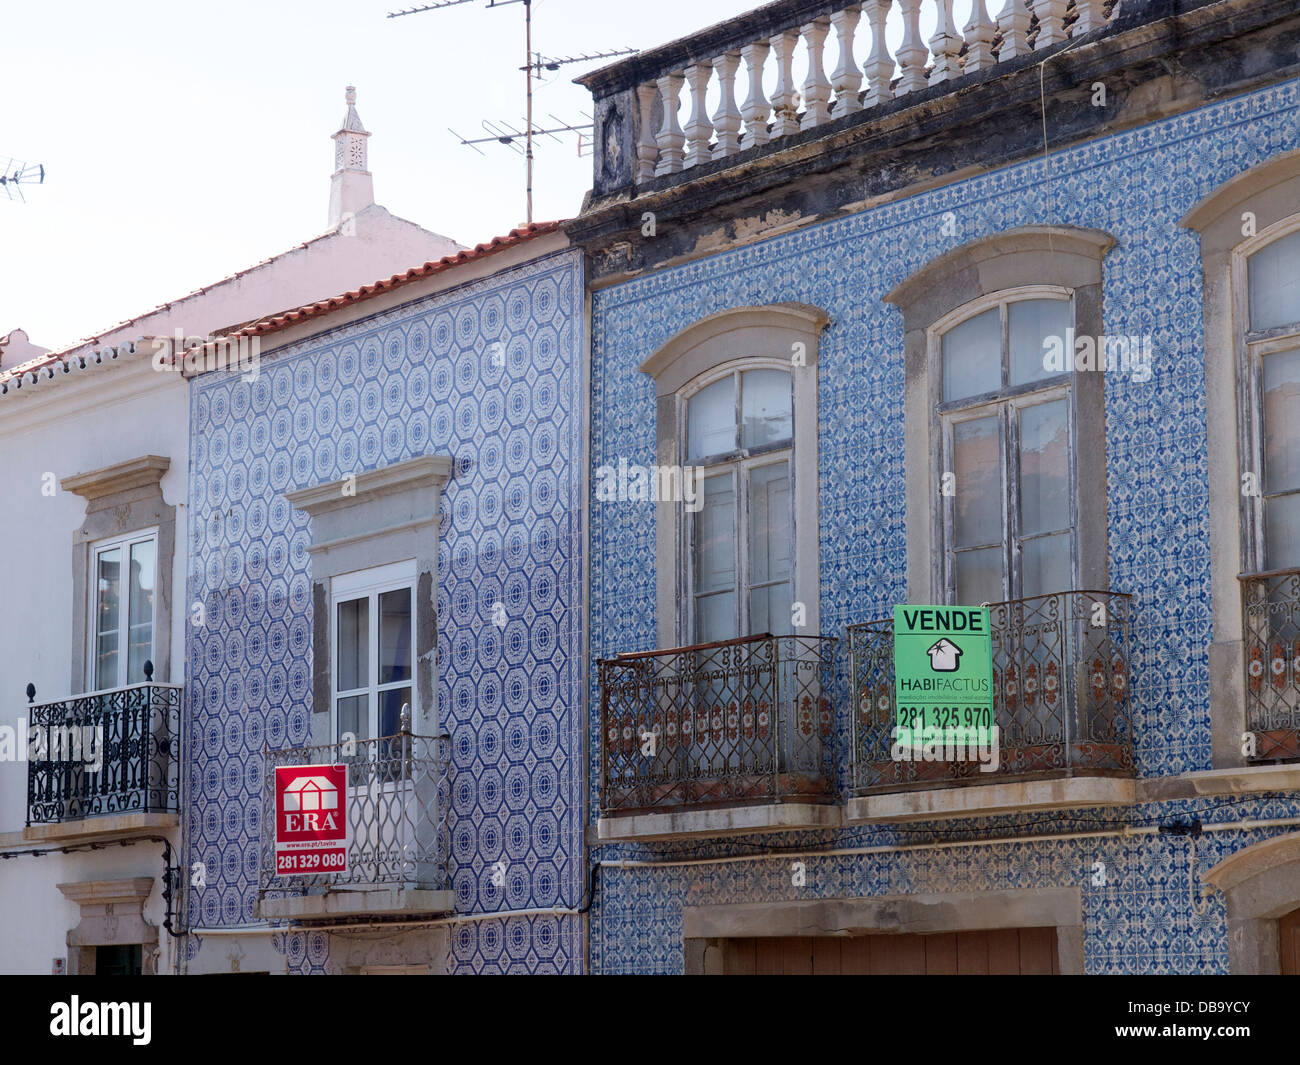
(311, 819)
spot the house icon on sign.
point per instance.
(944, 656)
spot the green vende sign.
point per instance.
(943, 675)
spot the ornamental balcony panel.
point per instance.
(397, 801)
(738, 722)
(1271, 634)
(1061, 698)
(105, 754)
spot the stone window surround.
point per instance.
(1059, 908)
(112, 914)
(122, 499)
(743, 338)
(371, 519)
(1270, 192)
(1260, 883)
(1067, 259)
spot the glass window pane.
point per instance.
(1045, 565)
(977, 464)
(1275, 284)
(390, 710)
(395, 636)
(108, 594)
(1044, 468)
(1031, 323)
(972, 356)
(1282, 532)
(353, 715)
(770, 533)
(353, 637)
(711, 420)
(767, 408)
(1282, 421)
(715, 536)
(140, 648)
(769, 609)
(715, 617)
(979, 576)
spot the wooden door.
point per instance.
(1288, 942)
(1009, 951)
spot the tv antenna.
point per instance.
(534, 64)
(15, 174)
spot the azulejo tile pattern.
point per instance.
(1135, 185)
(488, 373)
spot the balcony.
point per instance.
(104, 765)
(397, 801)
(718, 738)
(1060, 703)
(1271, 632)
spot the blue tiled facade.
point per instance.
(426, 377)
(1135, 185)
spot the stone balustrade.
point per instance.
(676, 131)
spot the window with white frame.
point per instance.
(374, 650)
(124, 572)
(1006, 466)
(739, 427)
(1273, 360)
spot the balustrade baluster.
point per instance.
(755, 108)
(979, 38)
(671, 137)
(846, 79)
(726, 120)
(699, 130)
(785, 118)
(1090, 17)
(647, 151)
(879, 66)
(1014, 24)
(816, 88)
(1051, 22)
(945, 45)
(912, 54)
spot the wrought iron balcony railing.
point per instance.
(109, 752)
(1271, 633)
(398, 796)
(729, 723)
(1060, 694)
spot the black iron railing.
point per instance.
(1271, 634)
(739, 721)
(109, 752)
(1060, 694)
(397, 802)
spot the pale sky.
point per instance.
(184, 141)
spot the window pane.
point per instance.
(140, 649)
(1044, 468)
(395, 636)
(977, 463)
(979, 576)
(715, 536)
(769, 609)
(1275, 284)
(715, 617)
(1045, 565)
(711, 420)
(353, 636)
(972, 356)
(1282, 532)
(766, 407)
(354, 716)
(1282, 421)
(390, 710)
(1031, 323)
(770, 532)
(108, 594)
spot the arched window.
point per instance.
(739, 433)
(737, 414)
(1005, 429)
